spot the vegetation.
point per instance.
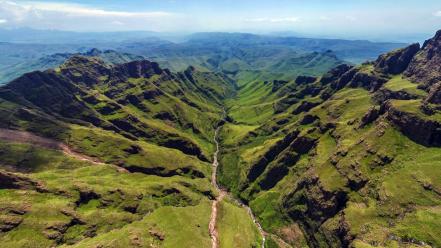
(119, 155)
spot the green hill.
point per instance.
(95, 154)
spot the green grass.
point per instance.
(235, 227)
(398, 83)
(165, 227)
(232, 134)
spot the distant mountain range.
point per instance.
(98, 154)
(108, 149)
(25, 50)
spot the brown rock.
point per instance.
(397, 61)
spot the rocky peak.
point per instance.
(93, 52)
(83, 69)
(136, 69)
(335, 73)
(396, 61)
(425, 67)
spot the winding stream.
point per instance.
(221, 194)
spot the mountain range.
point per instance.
(113, 150)
(234, 53)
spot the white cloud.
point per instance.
(351, 18)
(3, 21)
(68, 16)
(80, 10)
(438, 13)
(274, 20)
(118, 23)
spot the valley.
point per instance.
(302, 151)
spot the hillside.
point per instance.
(13, 65)
(102, 151)
(349, 159)
(27, 50)
(265, 57)
(96, 154)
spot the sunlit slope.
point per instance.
(347, 159)
(103, 151)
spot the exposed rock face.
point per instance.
(258, 168)
(10, 180)
(335, 74)
(311, 205)
(277, 84)
(135, 69)
(370, 81)
(425, 132)
(305, 106)
(397, 61)
(87, 70)
(434, 94)
(425, 67)
(370, 117)
(285, 160)
(383, 94)
(305, 80)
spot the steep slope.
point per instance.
(92, 151)
(12, 65)
(350, 159)
(101, 155)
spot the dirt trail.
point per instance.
(221, 194)
(32, 139)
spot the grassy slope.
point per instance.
(85, 204)
(236, 229)
(394, 204)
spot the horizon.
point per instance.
(403, 21)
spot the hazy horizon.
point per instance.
(373, 20)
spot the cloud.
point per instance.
(68, 16)
(438, 13)
(3, 21)
(80, 10)
(350, 18)
(118, 23)
(274, 20)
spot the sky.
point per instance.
(375, 19)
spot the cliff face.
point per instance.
(425, 67)
(397, 61)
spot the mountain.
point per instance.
(95, 154)
(26, 50)
(211, 44)
(101, 149)
(11, 70)
(349, 159)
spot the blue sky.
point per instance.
(374, 19)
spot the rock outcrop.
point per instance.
(434, 94)
(305, 80)
(311, 205)
(422, 131)
(335, 74)
(396, 61)
(425, 67)
(10, 180)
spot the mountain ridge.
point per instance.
(347, 159)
